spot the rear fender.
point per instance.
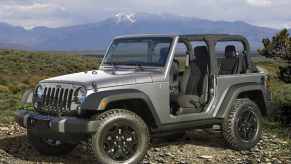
(233, 93)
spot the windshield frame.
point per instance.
(104, 65)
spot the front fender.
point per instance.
(99, 100)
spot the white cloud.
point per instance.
(32, 14)
(55, 13)
(37, 7)
(260, 3)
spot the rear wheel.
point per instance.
(242, 127)
(121, 137)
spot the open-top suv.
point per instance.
(150, 85)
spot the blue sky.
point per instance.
(57, 13)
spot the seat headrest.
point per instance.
(201, 53)
(230, 51)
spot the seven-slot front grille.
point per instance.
(57, 99)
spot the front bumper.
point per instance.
(54, 126)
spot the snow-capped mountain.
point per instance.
(96, 36)
(125, 17)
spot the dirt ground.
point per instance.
(197, 146)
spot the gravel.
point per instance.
(195, 147)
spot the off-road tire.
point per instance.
(116, 117)
(44, 148)
(230, 125)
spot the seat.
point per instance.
(233, 63)
(203, 62)
(174, 80)
(174, 73)
(194, 84)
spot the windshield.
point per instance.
(149, 51)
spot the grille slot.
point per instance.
(57, 99)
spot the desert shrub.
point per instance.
(281, 91)
(4, 88)
(282, 95)
(278, 46)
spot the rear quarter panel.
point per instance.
(229, 87)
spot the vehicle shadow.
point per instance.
(204, 138)
(19, 149)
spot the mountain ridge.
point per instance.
(97, 35)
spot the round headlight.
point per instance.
(81, 94)
(39, 91)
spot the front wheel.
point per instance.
(242, 127)
(121, 137)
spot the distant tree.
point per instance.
(282, 43)
(279, 46)
(267, 50)
(289, 51)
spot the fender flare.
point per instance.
(233, 92)
(93, 101)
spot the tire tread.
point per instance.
(112, 113)
(228, 133)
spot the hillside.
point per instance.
(96, 36)
(21, 70)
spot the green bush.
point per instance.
(281, 91)
(4, 88)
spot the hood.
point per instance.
(103, 78)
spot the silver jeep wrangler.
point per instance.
(146, 86)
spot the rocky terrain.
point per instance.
(197, 146)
